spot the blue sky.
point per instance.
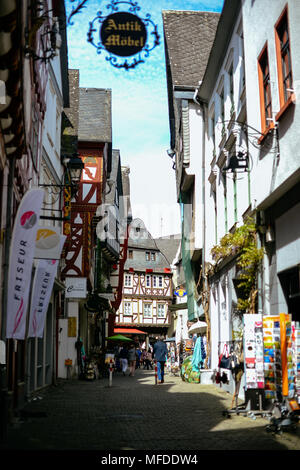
(139, 109)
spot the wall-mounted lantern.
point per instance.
(237, 162)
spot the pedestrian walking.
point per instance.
(132, 359)
(124, 359)
(139, 356)
(148, 360)
(160, 353)
(144, 355)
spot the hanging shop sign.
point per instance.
(124, 34)
(41, 292)
(76, 287)
(180, 292)
(21, 260)
(48, 243)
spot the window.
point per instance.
(214, 194)
(152, 256)
(224, 179)
(160, 281)
(212, 131)
(147, 255)
(130, 254)
(265, 90)
(235, 206)
(231, 89)
(58, 129)
(284, 66)
(148, 281)
(222, 107)
(35, 137)
(160, 310)
(154, 284)
(127, 308)
(128, 280)
(147, 310)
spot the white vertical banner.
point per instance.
(22, 250)
(41, 292)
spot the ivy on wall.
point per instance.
(243, 243)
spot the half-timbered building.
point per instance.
(90, 116)
(147, 288)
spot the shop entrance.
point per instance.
(290, 283)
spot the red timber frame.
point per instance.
(88, 198)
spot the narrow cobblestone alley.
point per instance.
(135, 414)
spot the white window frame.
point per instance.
(159, 308)
(147, 314)
(127, 308)
(148, 280)
(128, 280)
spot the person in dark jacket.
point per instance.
(160, 353)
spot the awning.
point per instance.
(198, 327)
(129, 331)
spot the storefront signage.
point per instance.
(76, 287)
(42, 289)
(180, 292)
(72, 327)
(124, 34)
(48, 243)
(21, 260)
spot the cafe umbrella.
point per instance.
(118, 338)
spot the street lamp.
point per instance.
(74, 166)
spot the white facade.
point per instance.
(272, 174)
(227, 196)
(227, 116)
(270, 185)
(43, 352)
(276, 162)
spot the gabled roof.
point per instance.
(95, 123)
(141, 241)
(189, 36)
(230, 12)
(169, 246)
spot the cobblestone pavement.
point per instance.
(136, 414)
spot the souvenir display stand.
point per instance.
(297, 358)
(253, 369)
(272, 369)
